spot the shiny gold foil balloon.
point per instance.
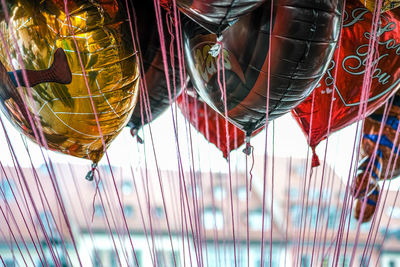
(386, 5)
(65, 112)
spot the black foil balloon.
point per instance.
(154, 75)
(303, 39)
(216, 15)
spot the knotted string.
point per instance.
(249, 150)
(90, 174)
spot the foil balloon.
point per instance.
(386, 5)
(315, 111)
(303, 39)
(379, 156)
(155, 83)
(215, 15)
(211, 124)
(60, 104)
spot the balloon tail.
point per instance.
(90, 174)
(94, 198)
(249, 150)
(134, 133)
(216, 48)
(315, 159)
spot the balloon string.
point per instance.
(95, 194)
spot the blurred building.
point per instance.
(188, 219)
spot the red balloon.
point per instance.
(350, 74)
(211, 124)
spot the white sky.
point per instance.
(124, 151)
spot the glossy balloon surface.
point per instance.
(211, 124)
(379, 155)
(216, 15)
(346, 92)
(64, 111)
(304, 35)
(154, 79)
(386, 5)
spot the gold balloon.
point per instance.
(65, 112)
(386, 5)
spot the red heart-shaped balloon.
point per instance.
(314, 112)
(211, 124)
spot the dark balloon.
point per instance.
(211, 124)
(154, 75)
(315, 112)
(216, 15)
(304, 36)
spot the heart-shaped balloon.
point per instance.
(346, 93)
(303, 38)
(211, 124)
(64, 109)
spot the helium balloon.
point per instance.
(211, 124)
(215, 15)
(154, 75)
(386, 5)
(303, 39)
(347, 91)
(379, 149)
(60, 98)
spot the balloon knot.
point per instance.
(249, 148)
(134, 133)
(315, 159)
(216, 48)
(90, 174)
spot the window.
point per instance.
(396, 212)
(219, 192)
(49, 225)
(242, 193)
(198, 191)
(325, 262)
(166, 258)
(256, 219)
(8, 187)
(333, 221)
(128, 211)
(305, 262)
(98, 210)
(9, 263)
(138, 257)
(300, 170)
(213, 219)
(363, 262)
(344, 261)
(158, 212)
(127, 188)
(294, 193)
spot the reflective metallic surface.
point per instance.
(216, 15)
(386, 5)
(153, 68)
(348, 64)
(65, 112)
(304, 36)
